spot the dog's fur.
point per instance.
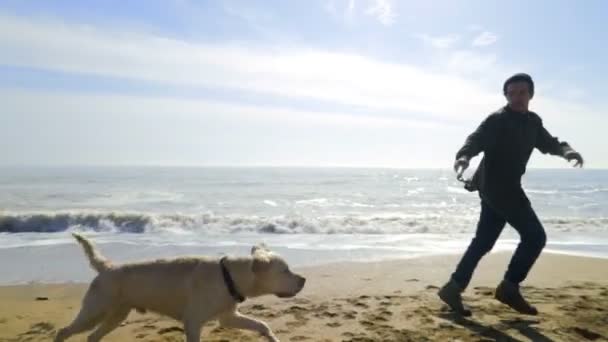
(190, 290)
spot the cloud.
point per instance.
(375, 87)
(275, 71)
(20, 101)
(383, 10)
(350, 9)
(330, 6)
(386, 94)
(485, 38)
(439, 42)
(467, 61)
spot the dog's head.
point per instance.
(273, 275)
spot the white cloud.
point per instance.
(75, 128)
(351, 7)
(290, 72)
(439, 42)
(485, 38)
(330, 6)
(375, 86)
(19, 101)
(383, 10)
(467, 62)
(140, 129)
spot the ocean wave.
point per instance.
(380, 223)
(591, 191)
(61, 221)
(541, 192)
(566, 191)
(271, 203)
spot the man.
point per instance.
(507, 139)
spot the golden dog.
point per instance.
(191, 290)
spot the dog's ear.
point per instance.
(258, 247)
(261, 263)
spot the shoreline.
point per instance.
(364, 301)
(71, 266)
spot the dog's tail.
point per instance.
(98, 262)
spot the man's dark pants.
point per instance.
(491, 223)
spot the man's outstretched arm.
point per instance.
(548, 144)
(475, 143)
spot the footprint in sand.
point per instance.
(446, 326)
(301, 301)
(329, 314)
(484, 290)
(295, 309)
(296, 324)
(299, 338)
(427, 320)
(170, 330)
(334, 325)
(356, 337)
(258, 307)
(357, 303)
(587, 334)
(42, 327)
(384, 312)
(350, 315)
(367, 324)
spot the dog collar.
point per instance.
(230, 283)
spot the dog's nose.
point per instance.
(302, 281)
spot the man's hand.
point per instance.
(573, 155)
(460, 165)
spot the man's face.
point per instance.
(518, 96)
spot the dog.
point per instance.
(192, 290)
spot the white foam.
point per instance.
(455, 190)
(271, 203)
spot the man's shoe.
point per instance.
(450, 294)
(509, 294)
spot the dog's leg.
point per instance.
(92, 312)
(193, 331)
(239, 321)
(111, 322)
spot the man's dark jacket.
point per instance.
(507, 139)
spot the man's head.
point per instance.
(519, 90)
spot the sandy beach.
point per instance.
(381, 301)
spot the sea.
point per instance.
(311, 216)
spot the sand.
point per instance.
(379, 301)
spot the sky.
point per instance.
(374, 83)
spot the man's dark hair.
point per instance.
(520, 77)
